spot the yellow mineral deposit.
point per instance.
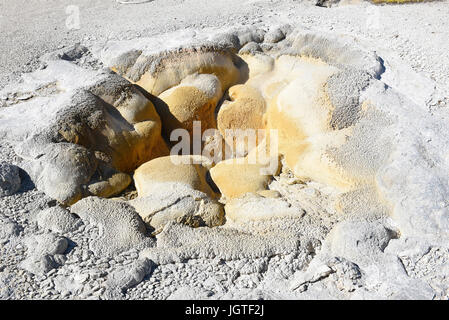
(258, 63)
(111, 186)
(298, 108)
(194, 99)
(286, 94)
(234, 179)
(245, 111)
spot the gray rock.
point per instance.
(73, 283)
(9, 179)
(39, 265)
(57, 219)
(275, 35)
(359, 241)
(44, 252)
(176, 202)
(327, 3)
(250, 48)
(60, 169)
(128, 276)
(250, 35)
(121, 228)
(47, 243)
(313, 274)
(348, 274)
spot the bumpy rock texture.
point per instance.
(45, 252)
(125, 278)
(57, 219)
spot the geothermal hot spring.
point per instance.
(131, 136)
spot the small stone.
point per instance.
(8, 229)
(57, 219)
(129, 276)
(9, 179)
